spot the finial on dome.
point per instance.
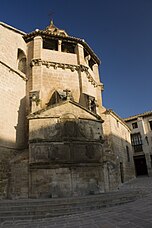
(54, 30)
(51, 25)
(51, 22)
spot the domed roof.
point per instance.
(54, 30)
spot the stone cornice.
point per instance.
(12, 28)
(15, 71)
(145, 114)
(55, 65)
(111, 112)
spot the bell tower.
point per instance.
(65, 127)
(59, 62)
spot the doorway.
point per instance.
(140, 165)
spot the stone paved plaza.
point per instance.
(130, 215)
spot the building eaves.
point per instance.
(12, 28)
(21, 74)
(110, 111)
(148, 113)
(46, 34)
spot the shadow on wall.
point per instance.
(22, 126)
(12, 152)
(118, 161)
(8, 158)
(68, 158)
(65, 159)
(17, 132)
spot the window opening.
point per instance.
(90, 103)
(50, 44)
(91, 63)
(21, 61)
(68, 47)
(117, 123)
(128, 155)
(134, 125)
(88, 59)
(136, 141)
(150, 124)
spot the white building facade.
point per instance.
(141, 139)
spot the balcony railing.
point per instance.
(138, 148)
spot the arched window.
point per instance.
(21, 61)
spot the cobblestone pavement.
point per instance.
(130, 215)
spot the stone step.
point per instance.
(56, 201)
(60, 209)
(11, 210)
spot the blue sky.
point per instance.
(119, 32)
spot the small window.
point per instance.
(85, 53)
(91, 63)
(128, 155)
(50, 44)
(90, 103)
(21, 61)
(68, 47)
(117, 123)
(89, 60)
(134, 125)
(150, 124)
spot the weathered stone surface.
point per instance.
(65, 153)
(65, 182)
(118, 165)
(53, 142)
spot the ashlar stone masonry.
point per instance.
(53, 142)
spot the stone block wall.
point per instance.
(10, 41)
(19, 176)
(13, 108)
(59, 57)
(66, 156)
(119, 163)
(14, 175)
(13, 134)
(55, 70)
(65, 152)
(59, 79)
(66, 182)
(12, 89)
(6, 155)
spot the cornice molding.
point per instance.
(116, 116)
(15, 71)
(47, 34)
(145, 114)
(12, 28)
(56, 65)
